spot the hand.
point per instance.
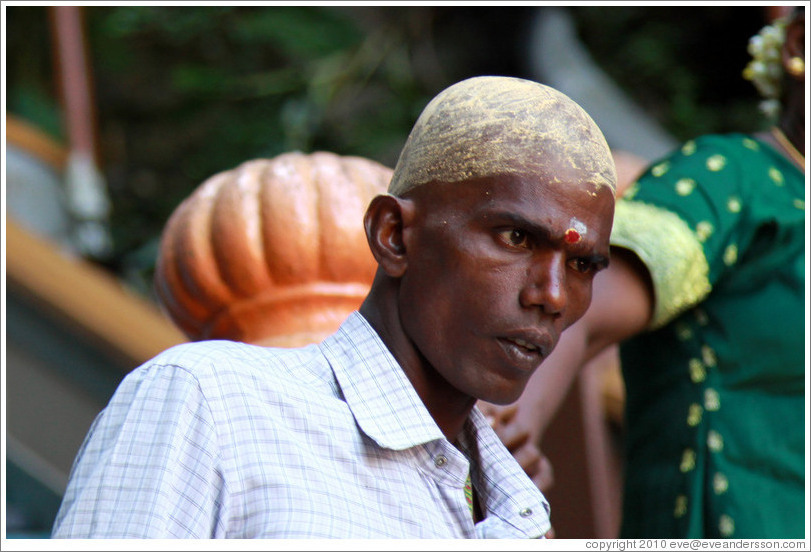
(517, 440)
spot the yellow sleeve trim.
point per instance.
(671, 252)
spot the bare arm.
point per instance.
(621, 306)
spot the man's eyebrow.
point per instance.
(543, 232)
(522, 222)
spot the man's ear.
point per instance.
(386, 221)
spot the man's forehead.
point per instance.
(507, 192)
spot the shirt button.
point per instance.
(440, 461)
(526, 512)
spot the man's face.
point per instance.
(497, 269)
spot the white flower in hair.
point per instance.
(765, 70)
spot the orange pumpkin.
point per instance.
(272, 252)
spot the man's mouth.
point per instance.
(524, 353)
(525, 344)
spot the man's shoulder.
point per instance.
(199, 354)
(219, 364)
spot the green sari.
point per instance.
(715, 413)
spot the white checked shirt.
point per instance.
(223, 439)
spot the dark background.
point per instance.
(185, 92)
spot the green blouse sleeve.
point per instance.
(684, 219)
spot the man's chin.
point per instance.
(502, 397)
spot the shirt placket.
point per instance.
(449, 468)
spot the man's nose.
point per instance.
(545, 286)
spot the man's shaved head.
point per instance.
(486, 126)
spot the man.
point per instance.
(498, 215)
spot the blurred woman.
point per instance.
(706, 293)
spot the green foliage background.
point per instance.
(183, 93)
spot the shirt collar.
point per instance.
(388, 410)
(379, 394)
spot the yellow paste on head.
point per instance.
(486, 126)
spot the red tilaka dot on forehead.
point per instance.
(571, 236)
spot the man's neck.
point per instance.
(447, 406)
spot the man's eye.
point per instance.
(584, 266)
(515, 237)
